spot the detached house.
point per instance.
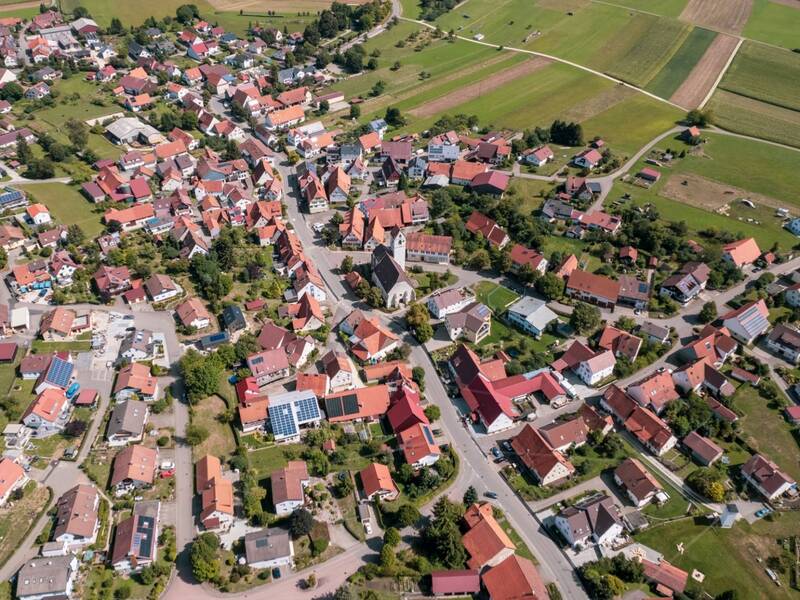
(637, 482)
(48, 413)
(549, 466)
(742, 252)
(596, 289)
(766, 477)
(747, 322)
(377, 482)
(288, 487)
(595, 520)
(785, 341)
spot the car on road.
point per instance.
(492, 495)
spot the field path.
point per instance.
(474, 90)
(707, 73)
(553, 58)
(723, 15)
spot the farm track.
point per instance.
(707, 73)
(724, 15)
(467, 93)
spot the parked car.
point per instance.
(276, 573)
(496, 452)
(763, 512)
(167, 474)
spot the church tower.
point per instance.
(399, 248)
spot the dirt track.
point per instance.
(721, 15)
(467, 93)
(697, 85)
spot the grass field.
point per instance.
(727, 557)
(767, 430)
(765, 73)
(22, 13)
(774, 23)
(646, 46)
(67, 206)
(669, 79)
(755, 118)
(266, 460)
(15, 520)
(220, 441)
(495, 296)
(134, 13)
(667, 8)
(752, 166)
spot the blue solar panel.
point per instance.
(60, 372)
(307, 410)
(428, 435)
(282, 421)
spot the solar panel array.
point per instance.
(282, 421)
(143, 538)
(307, 410)
(333, 407)
(60, 372)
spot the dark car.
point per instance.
(276, 573)
(492, 495)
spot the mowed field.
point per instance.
(727, 169)
(759, 94)
(287, 6)
(722, 15)
(774, 23)
(682, 62)
(765, 73)
(650, 49)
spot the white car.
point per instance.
(368, 528)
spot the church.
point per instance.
(388, 271)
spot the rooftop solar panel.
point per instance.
(60, 372)
(350, 403)
(428, 435)
(333, 407)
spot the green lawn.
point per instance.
(16, 520)
(767, 430)
(267, 460)
(496, 297)
(774, 23)
(727, 557)
(42, 347)
(68, 206)
(676, 506)
(667, 8)
(682, 62)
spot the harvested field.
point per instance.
(709, 194)
(723, 15)
(759, 119)
(702, 77)
(477, 89)
(598, 104)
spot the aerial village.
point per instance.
(318, 338)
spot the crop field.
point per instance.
(765, 73)
(646, 46)
(694, 89)
(682, 62)
(724, 15)
(260, 6)
(759, 119)
(774, 23)
(665, 8)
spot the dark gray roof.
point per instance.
(127, 417)
(386, 269)
(267, 544)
